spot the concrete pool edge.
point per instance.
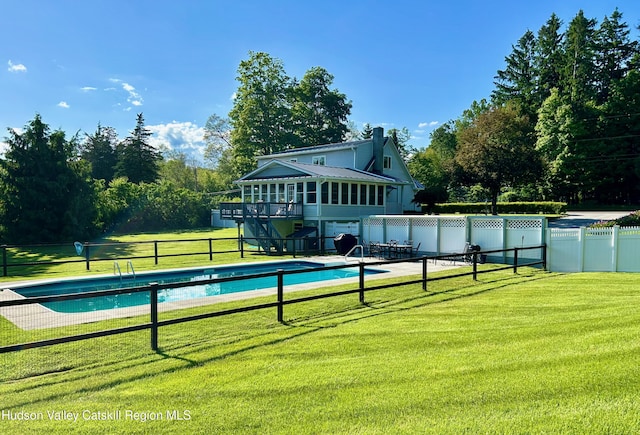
(36, 316)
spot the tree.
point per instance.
(99, 149)
(274, 113)
(496, 150)
(579, 70)
(217, 137)
(548, 58)
(47, 194)
(260, 116)
(613, 54)
(517, 82)
(367, 131)
(318, 114)
(137, 160)
(401, 139)
(176, 169)
(617, 151)
(434, 166)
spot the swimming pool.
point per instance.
(83, 285)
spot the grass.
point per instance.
(131, 246)
(529, 353)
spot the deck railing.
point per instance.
(262, 210)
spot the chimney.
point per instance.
(378, 145)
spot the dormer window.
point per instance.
(319, 160)
(386, 162)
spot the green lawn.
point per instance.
(528, 353)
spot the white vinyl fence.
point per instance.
(439, 235)
(615, 249)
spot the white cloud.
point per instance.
(133, 97)
(63, 104)
(16, 67)
(88, 89)
(185, 137)
(428, 124)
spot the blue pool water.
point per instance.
(179, 294)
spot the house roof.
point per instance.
(306, 170)
(316, 149)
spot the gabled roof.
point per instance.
(306, 170)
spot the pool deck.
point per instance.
(36, 316)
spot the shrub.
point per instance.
(503, 208)
(631, 220)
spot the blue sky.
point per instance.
(404, 63)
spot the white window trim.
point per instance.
(319, 160)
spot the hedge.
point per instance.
(547, 207)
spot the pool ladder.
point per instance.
(346, 257)
(116, 268)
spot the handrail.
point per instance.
(353, 249)
(133, 272)
(116, 265)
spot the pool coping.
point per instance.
(36, 316)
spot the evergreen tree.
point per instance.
(579, 70)
(99, 149)
(613, 54)
(137, 160)
(47, 194)
(548, 58)
(367, 131)
(517, 83)
(401, 139)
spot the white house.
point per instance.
(322, 190)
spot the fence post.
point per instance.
(614, 247)
(361, 283)
(154, 315)
(515, 260)
(241, 246)
(544, 256)
(424, 273)
(475, 265)
(280, 295)
(155, 251)
(210, 250)
(87, 255)
(4, 260)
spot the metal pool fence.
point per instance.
(11, 307)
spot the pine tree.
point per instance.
(613, 54)
(367, 131)
(137, 160)
(99, 149)
(517, 82)
(579, 69)
(548, 58)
